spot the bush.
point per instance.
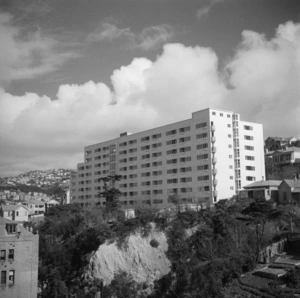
(154, 243)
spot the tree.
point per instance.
(111, 193)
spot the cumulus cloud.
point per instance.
(25, 54)
(265, 76)
(262, 82)
(149, 38)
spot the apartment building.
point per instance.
(18, 260)
(204, 159)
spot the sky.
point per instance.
(78, 72)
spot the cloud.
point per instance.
(25, 54)
(262, 82)
(205, 10)
(149, 38)
(109, 32)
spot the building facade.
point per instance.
(203, 159)
(18, 260)
(14, 212)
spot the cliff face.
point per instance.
(137, 258)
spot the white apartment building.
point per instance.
(203, 159)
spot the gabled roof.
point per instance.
(12, 207)
(264, 184)
(292, 183)
(53, 202)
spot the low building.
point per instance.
(289, 191)
(14, 212)
(18, 260)
(52, 203)
(276, 143)
(35, 207)
(285, 157)
(261, 189)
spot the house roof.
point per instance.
(264, 184)
(53, 202)
(12, 207)
(292, 183)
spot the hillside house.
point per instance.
(17, 213)
(289, 191)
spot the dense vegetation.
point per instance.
(208, 250)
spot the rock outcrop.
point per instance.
(144, 262)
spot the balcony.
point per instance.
(214, 160)
(213, 139)
(213, 128)
(213, 149)
(214, 172)
(215, 182)
(215, 193)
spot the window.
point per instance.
(206, 188)
(11, 277)
(186, 179)
(250, 178)
(230, 167)
(247, 127)
(231, 188)
(132, 150)
(156, 154)
(145, 165)
(247, 157)
(230, 156)
(171, 142)
(132, 176)
(156, 145)
(173, 151)
(231, 177)
(186, 169)
(228, 115)
(121, 152)
(171, 181)
(184, 129)
(171, 132)
(131, 159)
(202, 167)
(201, 125)
(184, 149)
(144, 139)
(157, 191)
(146, 156)
(132, 184)
(145, 183)
(146, 192)
(249, 138)
(133, 167)
(11, 253)
(229, 146)
(124, 160)
(10, 228)
(97, 150)
(3, 277)
(203, 156)
(156, 136)
(249, 148)
(156, 173)
(229, 136)
(202, 146)
(201, 136)
(132, 142)
(221, 114)
(147, 147)
(203, 178)
(157, 163)
(172, 171)
(146, 174)
(250, 168)
(213, 113)
(2, 255)
(186, 139)
(157, 182)
(172, 161)
(123, 144)
(185, 159)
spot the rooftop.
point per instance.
(264, 184)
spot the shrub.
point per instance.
(154, 243)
